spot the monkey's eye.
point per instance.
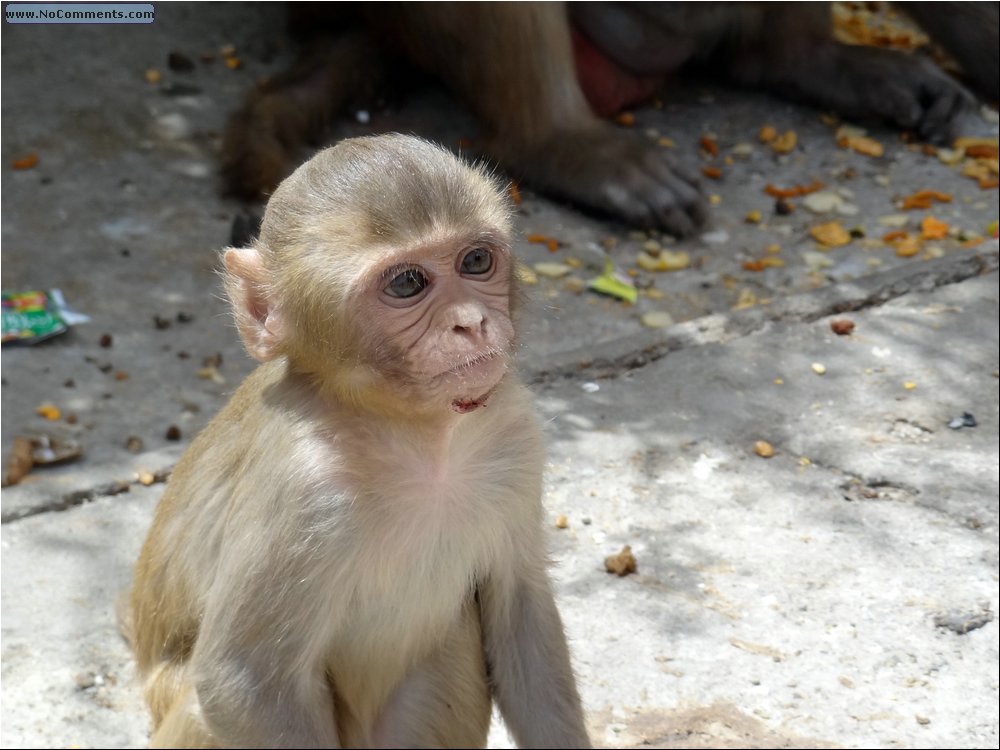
(477, 261)
(409, 283)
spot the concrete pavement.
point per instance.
(842, 592)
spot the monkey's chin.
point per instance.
(476, 381)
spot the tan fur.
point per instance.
(343, 557)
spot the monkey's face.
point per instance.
(438, 321)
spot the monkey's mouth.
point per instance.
(483, 371)
(465, 405)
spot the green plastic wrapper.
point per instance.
(33, 316)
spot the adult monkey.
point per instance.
(351, 553)
(539, 74)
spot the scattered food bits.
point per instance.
(763, 449)
(145, 478)
(49, 411)
(552, 270)
(543, 239)
(908, 247)
(785, 143)
(709, 145)
(924, 199)
(978, 148)
(121, 375)
(862, 144)
(526, 275)
(933, 229)
(773, 249)
(20, 462)
(842, 326)
(783, 207)
(625, 119)
(106, 340)
(666, 142)
(621, 564)
(804, 461)
(753, 217)
(767, 133)
(666, 260)
(657, 319)
(26, 162)
(949, 155)
(818, 368)
(715, 199)
(795, 191)
(133, 444)
(153, 76)
(831, 234)
(922, 720)
(909, 385)
(173, 433)
(562, 522)
(894, 220)
(712, 173)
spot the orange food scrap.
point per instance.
(908, 247)
(515, 194)
(979, 148)
(49, 411)
(623, 563)
(973, 242)
(794, 191)
(894, 236)
(785, 143)
(831, 234)
(543, 239)
(753, 265)
(28, 162)
(713, 173)
(863, 145)
(625, 119)
(933, 229)
(767, 134)
(709, 145)
(987, 183)
(924, 199)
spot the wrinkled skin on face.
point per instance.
(442, 317)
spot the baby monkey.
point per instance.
(351, 553)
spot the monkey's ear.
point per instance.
(257, 318)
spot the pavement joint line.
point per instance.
(614, 358)
(611, 359)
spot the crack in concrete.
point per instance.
(613, 359)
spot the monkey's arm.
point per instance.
(529, 665)
(258, 679)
